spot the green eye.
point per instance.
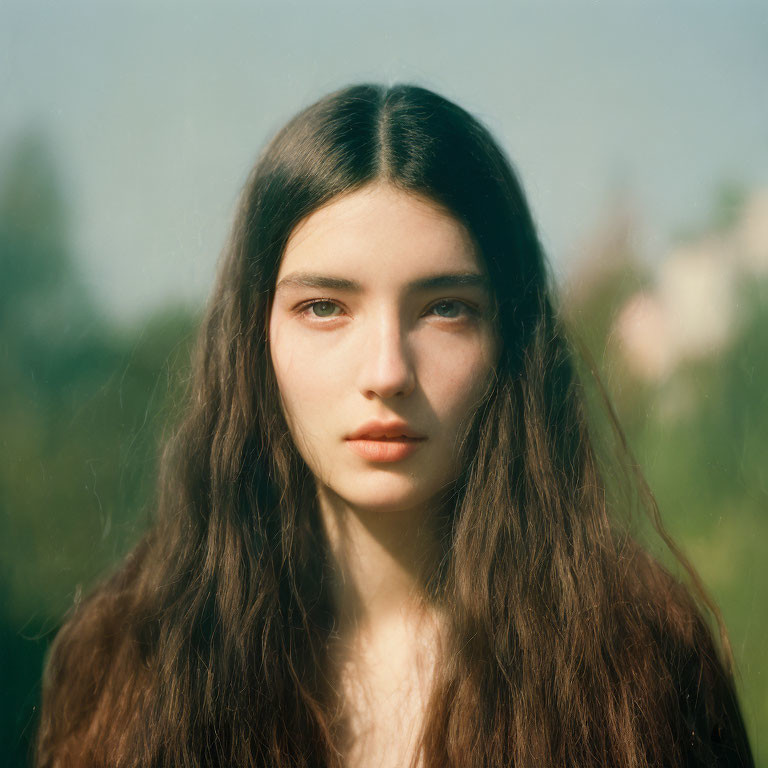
(441, 306)
(454, 306)
(326, 306)
(321, 308)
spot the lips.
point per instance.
(385, 449)
(385, 430)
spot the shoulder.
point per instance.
(705, 715)
(714, 734)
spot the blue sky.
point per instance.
(157, 111)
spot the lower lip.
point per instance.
(386, 450)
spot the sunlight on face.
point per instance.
(378, 341)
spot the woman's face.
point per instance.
(370, 323)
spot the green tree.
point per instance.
(82, 405)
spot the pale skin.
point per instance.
(379, 350)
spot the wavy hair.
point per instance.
(569, 644)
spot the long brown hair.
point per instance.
(569, 644)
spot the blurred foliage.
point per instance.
(83, 406)
(700, 437)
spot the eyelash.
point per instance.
(471, 311)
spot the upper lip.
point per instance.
(377, 428)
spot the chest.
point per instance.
(382, 720)
(382, 709)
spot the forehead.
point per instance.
(380, 232)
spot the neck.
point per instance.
(381, 560)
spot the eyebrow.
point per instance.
(444, 280)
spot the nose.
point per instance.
(386, 366)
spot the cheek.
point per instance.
(456, 379)
(303, 379)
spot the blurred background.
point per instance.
(127, 130)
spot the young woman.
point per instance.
(382, 537)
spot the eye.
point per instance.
(325, 306)
(451, 307)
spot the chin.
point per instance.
(385, 494)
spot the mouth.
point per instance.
(383, 430)
(384, 439)
(385, 449)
